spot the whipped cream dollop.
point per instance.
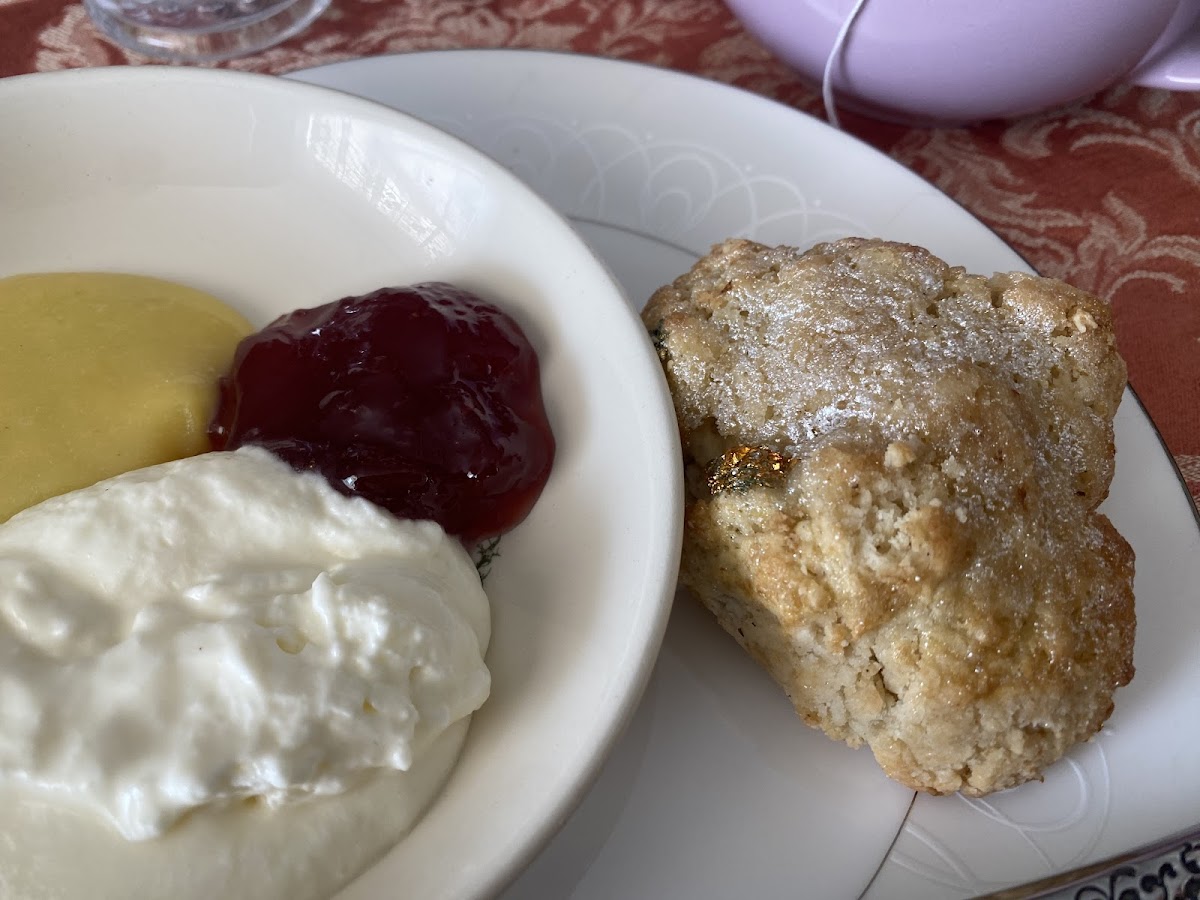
(223, 628)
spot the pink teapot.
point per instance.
(956, 61)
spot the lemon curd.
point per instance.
(101, 374)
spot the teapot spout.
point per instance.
(1173, 63)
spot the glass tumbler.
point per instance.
(191, 31)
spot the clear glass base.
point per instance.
(193, 31)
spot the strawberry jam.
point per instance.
(425, 400)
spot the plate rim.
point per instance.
(563, 57)
(700, 83)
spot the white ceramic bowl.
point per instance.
(275, 195)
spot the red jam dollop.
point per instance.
(425, 400)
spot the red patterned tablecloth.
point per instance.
(1105, 194)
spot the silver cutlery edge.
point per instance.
(1164, 870)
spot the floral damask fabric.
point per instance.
(1105, 194)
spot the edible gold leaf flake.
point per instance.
(742, 468)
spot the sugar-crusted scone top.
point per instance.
(929, 575)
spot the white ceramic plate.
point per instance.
(717, 791)
(276, 195)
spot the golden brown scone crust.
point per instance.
(930, 576)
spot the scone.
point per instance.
(893, 474)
